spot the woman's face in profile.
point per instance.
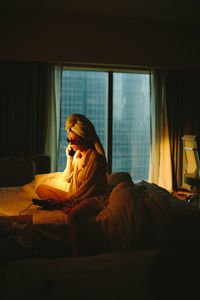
(76, 142)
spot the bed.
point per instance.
(138, 216)
(117, 246)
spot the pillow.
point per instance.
(117, 177)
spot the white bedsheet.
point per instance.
(17, 200)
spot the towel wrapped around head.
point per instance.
(83, 127)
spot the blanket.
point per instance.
(135, 216)
(138, 216)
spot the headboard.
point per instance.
(19, 171)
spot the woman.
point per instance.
(85, 172)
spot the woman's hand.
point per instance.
(70, 151)
(60, 204)
(56, 203)
(69, 167)
(67, 206)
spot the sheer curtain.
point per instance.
(160, 171)
(53, 114)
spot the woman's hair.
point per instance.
(83, 127)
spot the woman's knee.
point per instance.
(41, 191)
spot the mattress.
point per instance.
(48, 230)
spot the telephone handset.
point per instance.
(71, 152)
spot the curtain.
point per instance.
(160, 171)
(52, 132)
(183, 114)
(23, 88)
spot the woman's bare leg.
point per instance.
(46, 192)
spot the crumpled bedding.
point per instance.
(18, 201)
(137, 216)
(139, 220)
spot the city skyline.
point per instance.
(86, 92)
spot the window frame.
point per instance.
(109, 70)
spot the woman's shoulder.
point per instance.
(100, 160)
(93, 156)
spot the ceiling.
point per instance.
(178, 11)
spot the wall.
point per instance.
(32, 36)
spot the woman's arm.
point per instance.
(94, 184)
(69, 168)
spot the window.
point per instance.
(118, 104)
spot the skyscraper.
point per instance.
(86, 92)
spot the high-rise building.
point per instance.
(86, 92)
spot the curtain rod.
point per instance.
(104, 67)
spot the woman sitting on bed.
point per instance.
(85, 172)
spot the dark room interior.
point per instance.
(157, 37)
